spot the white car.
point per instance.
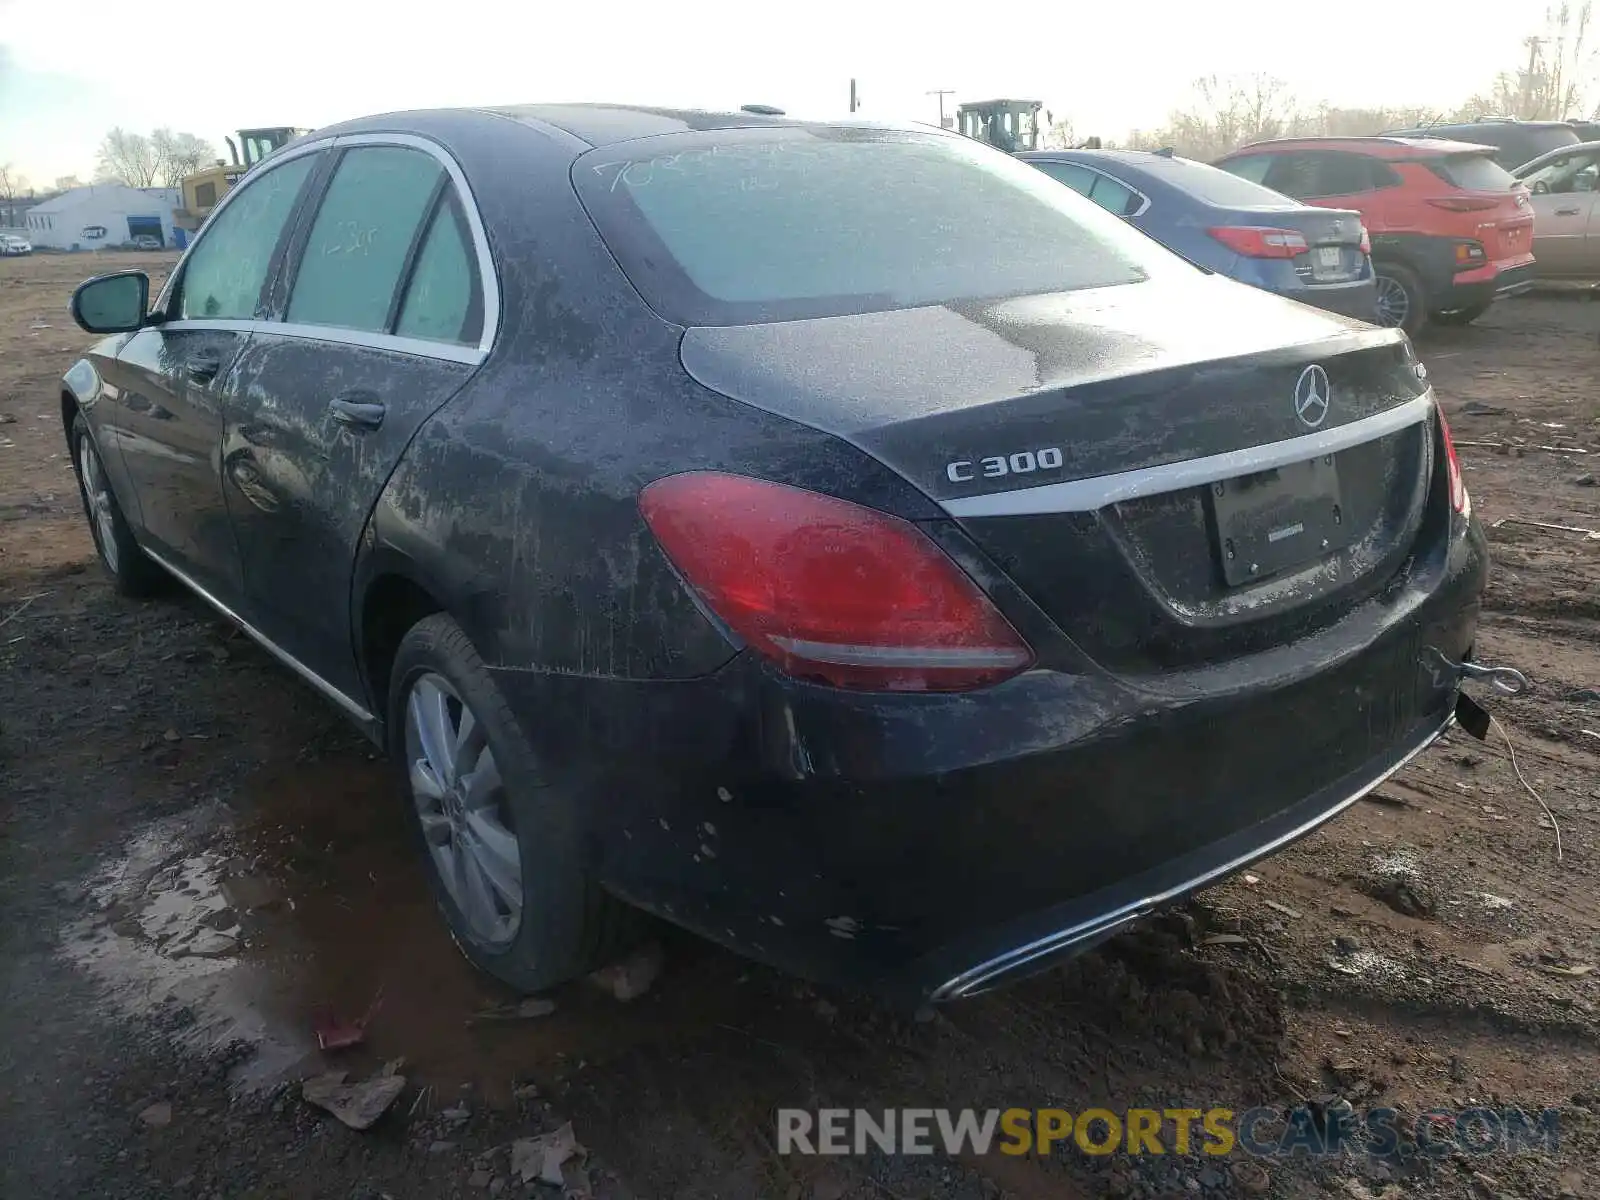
(10, 243)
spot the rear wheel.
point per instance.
(1460, 316)
(1401, 300)
(131, 570)
(500, 843)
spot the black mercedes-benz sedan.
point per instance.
(838, 539)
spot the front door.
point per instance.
(174, 379)
(381, 325)
(1564, 212)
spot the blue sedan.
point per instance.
(1240, 229)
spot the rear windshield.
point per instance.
(745, 225)
(1214, 185)
(1472, 172)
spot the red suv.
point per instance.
(1451, 231)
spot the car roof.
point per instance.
(1381, 146)
(605, 124)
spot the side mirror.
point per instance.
(112, 303)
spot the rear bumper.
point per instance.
(1487, 284)
(927, 846)
(1048, 937)
(1358, 299)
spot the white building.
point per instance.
(106, 214)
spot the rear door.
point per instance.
(382, 317)
(175, 377)
(1566, 219)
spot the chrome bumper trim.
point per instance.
(986, 974)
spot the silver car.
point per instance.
(1565, 187)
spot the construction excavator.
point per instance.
(205, 187)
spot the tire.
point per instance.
(1400, 292)
(1460, 316)
(132, 571)
(565, 925)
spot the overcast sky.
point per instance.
(71, 69)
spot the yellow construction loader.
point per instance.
(205, 187)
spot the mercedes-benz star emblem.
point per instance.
(1311, 395)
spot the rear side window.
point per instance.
(224, 273)
(1314, 174)
(737, 226)
(1471, 172)
(1080, 179)
(362, 237)
(440, 303)
(1115, 197)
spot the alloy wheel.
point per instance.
(463, 809)
(97, 494)
(1394, 305)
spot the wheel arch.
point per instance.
(392, 592)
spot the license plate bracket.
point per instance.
(1274, 520)
(1329, 263)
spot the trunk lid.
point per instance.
(1051, 428)
(1333, 237)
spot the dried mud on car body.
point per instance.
(196, 857)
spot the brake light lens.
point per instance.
(1470, 254)
(828, 590)
(1464, 203)
(1366, 242)
(1459, 500)
(1261, 241)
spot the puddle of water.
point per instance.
(304, 897)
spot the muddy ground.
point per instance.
(198, 861)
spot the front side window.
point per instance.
(362, 236)
(1254, 167)
(738, 226)
(1574, 173)
(224, 273)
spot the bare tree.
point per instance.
(1227, 113)
(1560, 71)
(65, 183)
(179, 154)
(12, 183)
(128, 158)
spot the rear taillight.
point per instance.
(1470, 254)
(1459, 500)
(1366, 242)
(828, 590)
(1260, 241)
(1464, 203)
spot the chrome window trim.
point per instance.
(488, 281)
(978, 979)
(337, 335)
(1090, 495)
(349, 705)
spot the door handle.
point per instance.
(359, 410)
(203, 365)
(1566, 212)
